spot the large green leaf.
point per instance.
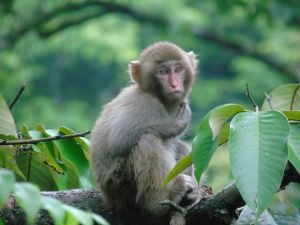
(285, 97)
(258, 154)
(180, 166)
(294, 146)
(7, 125)
(29, 198)
(208, 136)
(8, 131)
(7, 182)
(221, 115)
(36, 171)
(82, 141)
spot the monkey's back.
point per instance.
(113, 137)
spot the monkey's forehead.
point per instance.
(162, 51)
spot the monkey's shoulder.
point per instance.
(134, 103)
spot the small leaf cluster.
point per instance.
(27, 194)
(260, 143)
(52, 165)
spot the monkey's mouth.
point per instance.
(176, 93)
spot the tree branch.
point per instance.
(219, 209)
(37, 140)
(39, 24)
(243, 50)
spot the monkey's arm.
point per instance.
(171, 127)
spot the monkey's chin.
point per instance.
(175, 96)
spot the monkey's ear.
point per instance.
(134, 68)
(192, 56)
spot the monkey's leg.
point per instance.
(151, 162)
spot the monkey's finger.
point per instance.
(181, 109)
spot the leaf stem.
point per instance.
(255, 106)
(22, 88)
(269, 98)
(29, 167)
(37, 140)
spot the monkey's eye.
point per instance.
(178, 68)
(164, 71)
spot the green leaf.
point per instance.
(8, 160)
(48, 159)
(7, 182)
(292, 115)
(180, 166)
(7, 125)
(224, 133)
(285, 97)
(208, 136)
(82, 141)
(73, 152)
(83, 217)
(258, 154)
(222, 115)
(36, 148)
(70, 219)
(55, 208)
(8, 131)
(36, 171)
(64, 173)
(294, 146)
(99, 219)
(70, 179)
(28, 198)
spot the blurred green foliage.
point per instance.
(73, 55)
(71, 73)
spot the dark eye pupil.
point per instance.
(178, 68)
(163, 72)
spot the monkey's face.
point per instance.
(166, 71)
(171, 76)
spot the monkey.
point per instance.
(136, 140)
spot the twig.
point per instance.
(294, 96)
(29, 167)
(22, 88)
(251, 99)
(269, 98)
(37, 140)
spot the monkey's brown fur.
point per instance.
(136, 140)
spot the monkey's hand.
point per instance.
(181, 109)
(183, 115)
(185, 190)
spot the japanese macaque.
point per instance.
(136, 140)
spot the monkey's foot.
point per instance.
(175, 206)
